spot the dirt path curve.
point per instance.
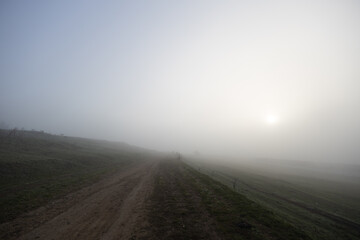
(113, 208)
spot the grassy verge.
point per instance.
(36, 168)
(320, 208)
(237, 216)
(190, 205)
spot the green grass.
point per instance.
(232, 209)
(278, 192)
(36, 167)
(185, 203)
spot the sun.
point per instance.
(272, 119)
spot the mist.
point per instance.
(236, 79)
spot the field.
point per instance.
(323, 207)
(36, 167)
(56, 187)
(190, 205)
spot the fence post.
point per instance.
(234, 183)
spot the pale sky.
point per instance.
(277, 79)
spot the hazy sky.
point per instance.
(277, 79)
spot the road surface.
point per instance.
(113, 208)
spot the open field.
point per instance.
(69, 188)
(323, 208)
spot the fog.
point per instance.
(239, 79)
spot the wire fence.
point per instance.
(227, 179)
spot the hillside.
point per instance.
(323, 206)
(56, 187)
(36, 167)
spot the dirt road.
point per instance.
(110, 209)
(153, 200)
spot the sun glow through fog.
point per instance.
(272, 119)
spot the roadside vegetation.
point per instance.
(189, 200)
(322, 208)
(187, 204)
(36, 167)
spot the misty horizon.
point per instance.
(277, 80)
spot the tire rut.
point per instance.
(104, 210)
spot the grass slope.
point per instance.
(36, 167)
(324, 209)
(189, 205)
